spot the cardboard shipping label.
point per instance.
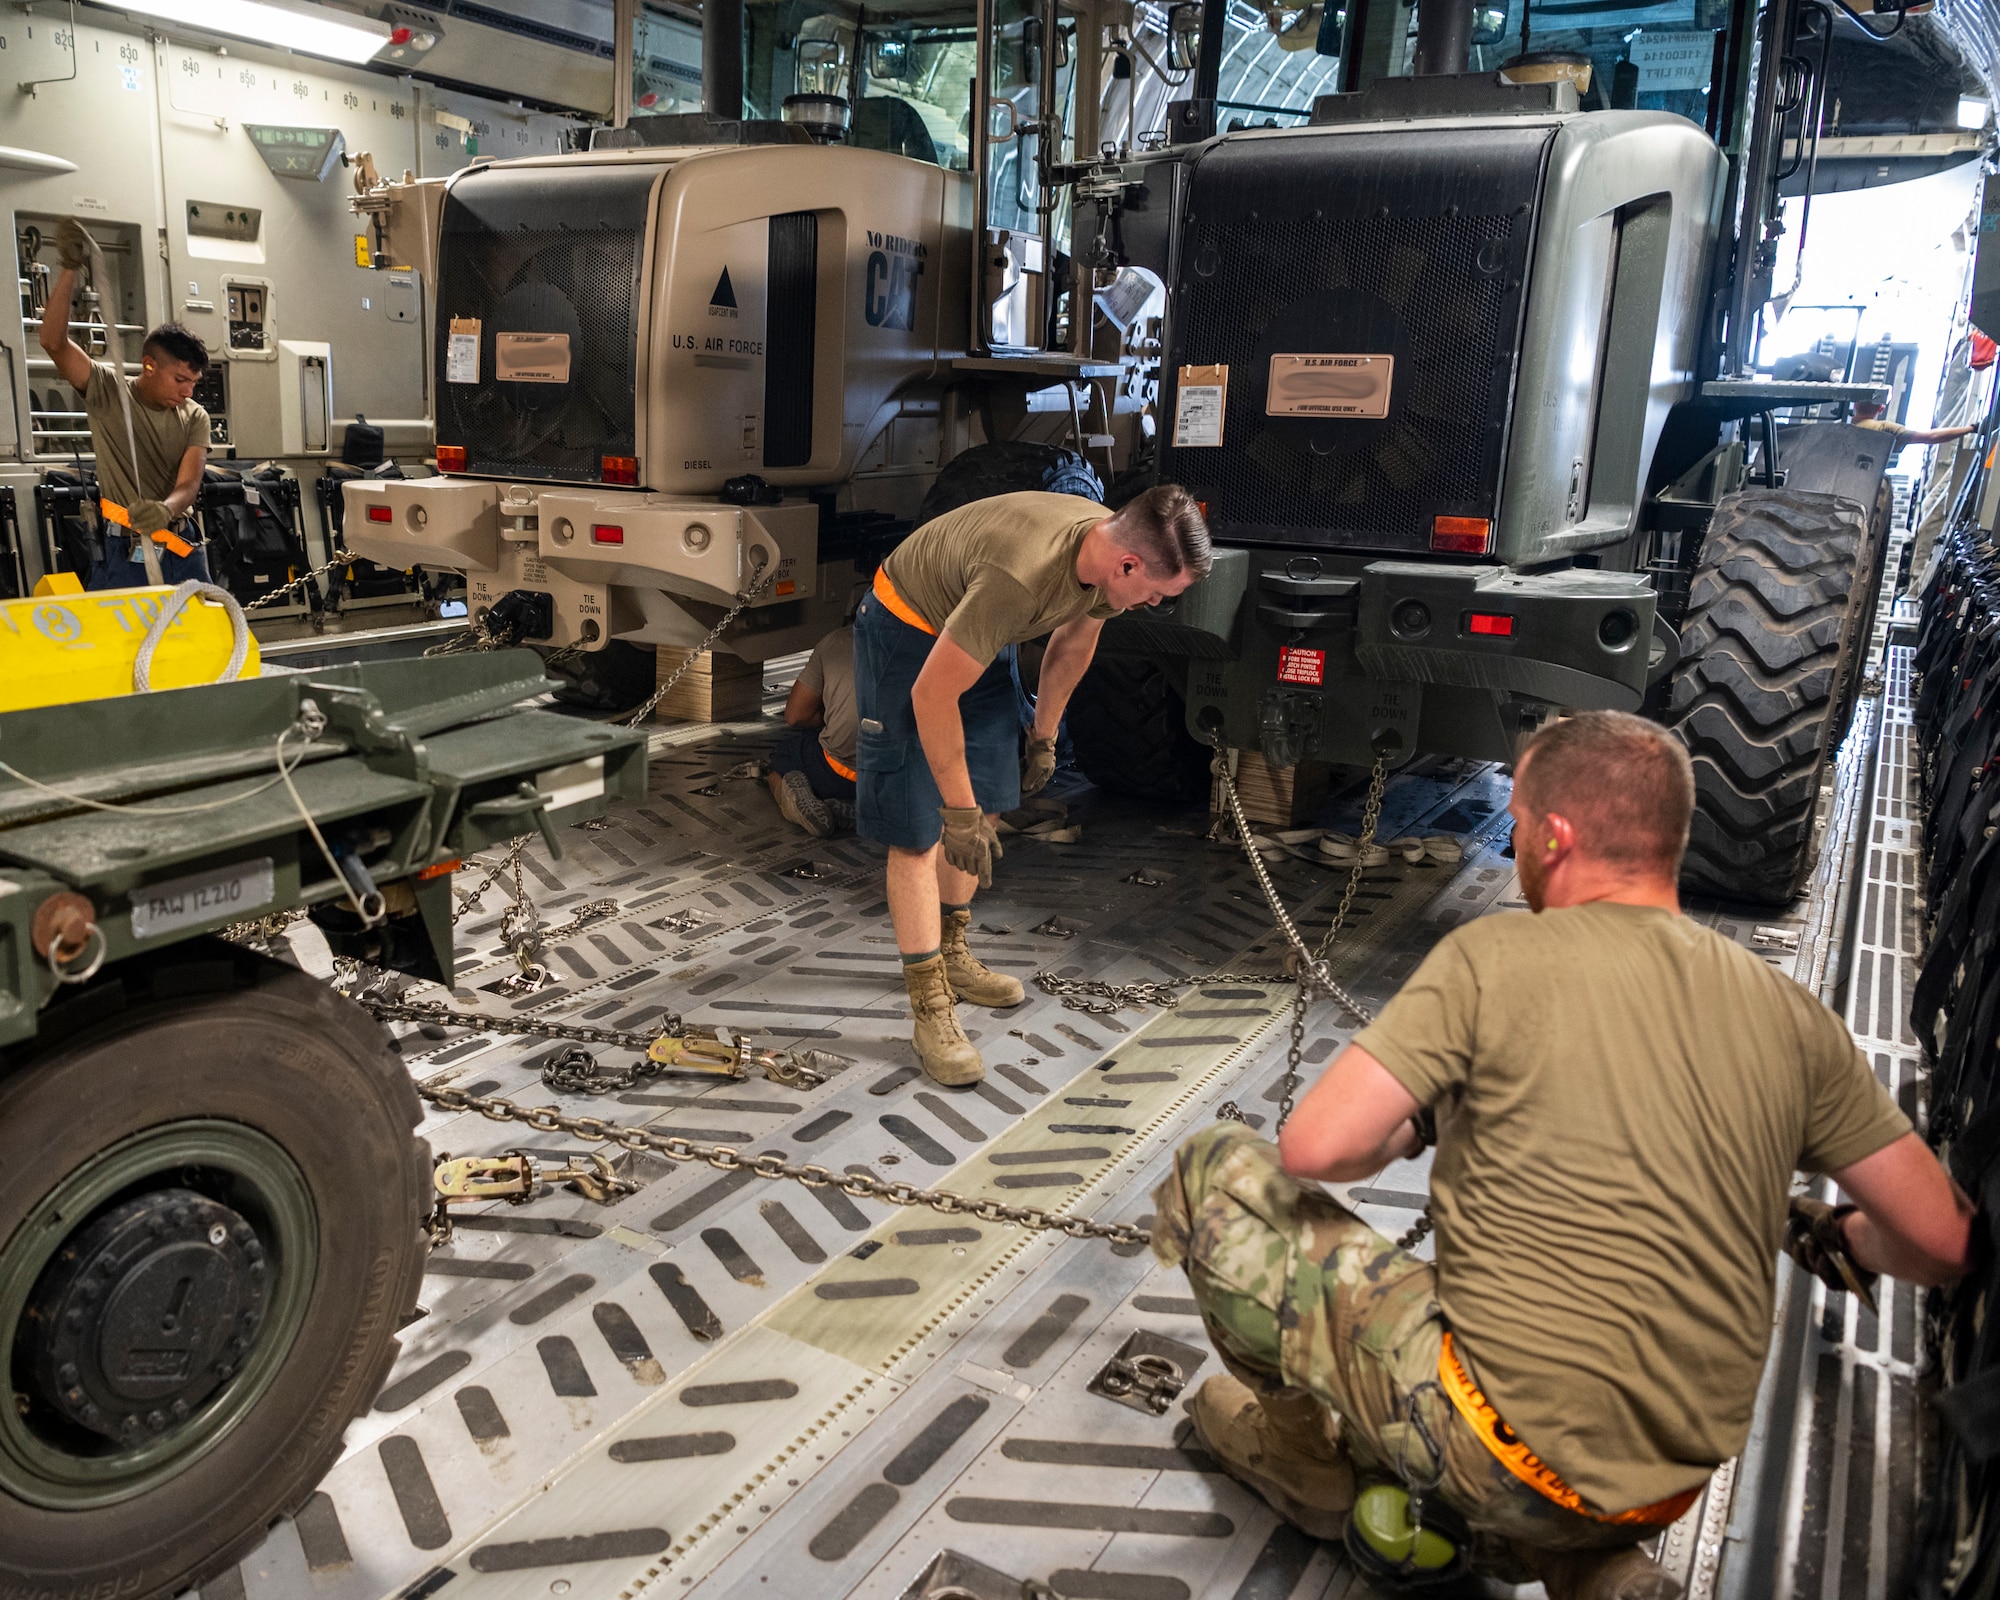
(531, 357)
(1199, 402)
(461, 351)
(1329, 386)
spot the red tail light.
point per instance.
(451, 458)
(381, 514)
(621, 469)
(606, 533)
(1491, 623)
(1462, 536)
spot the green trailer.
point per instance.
(212, 1203)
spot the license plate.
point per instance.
(221, 892)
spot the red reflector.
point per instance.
(606, 533)
(451, 458)
(1490, 623)
(400, 36)
(1463, 536)
(621, 469)
(381, 514)
(441, 869)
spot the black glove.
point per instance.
(72, 244)
(1038, 765)
(970, 844)
(1426, 1124)
(1813, 1238)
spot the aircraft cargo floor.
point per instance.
(724, 1386)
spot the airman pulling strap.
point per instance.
(885, 591)
(111, 511)
(1518, 1459)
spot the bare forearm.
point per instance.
(1400, 1145)
(1879, 1249)
(54, 332)
(942, 734)
(1065, 662)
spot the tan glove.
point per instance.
(1813, 1239)
(72, 244)
(149, 516)
(1038, 765)
(970, 844)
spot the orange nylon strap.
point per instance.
(1508, 1449)
(846, 772)
(885, 591)
(112, 511)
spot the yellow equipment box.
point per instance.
(59, 648)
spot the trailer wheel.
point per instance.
(211, 1213)
(1128, 725)
(1777, 630)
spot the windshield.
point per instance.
(906, 72)
(1644, 55)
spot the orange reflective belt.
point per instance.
(846, 772)
(885, 591)
(111, 511)
(1518, 1459)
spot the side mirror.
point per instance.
(1489, 21)
(1183, 36)
(1331, 29)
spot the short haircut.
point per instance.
(1165, 527)
(177, 344)
(1625, 783)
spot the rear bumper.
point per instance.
(1574, 639)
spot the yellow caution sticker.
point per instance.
(363, 256)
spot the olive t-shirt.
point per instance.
(1622, 1096)
(830, 674)
(1000, 571)
(163, 434)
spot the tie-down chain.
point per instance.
(676, 1046)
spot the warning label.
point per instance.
(1302, 666)
(1329, 386)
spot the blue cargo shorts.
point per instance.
(897, 799)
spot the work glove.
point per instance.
(149, 516)
(72, 244)
(970, 844)
(1813, 1239)
(1038, 765)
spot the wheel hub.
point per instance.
(145, 1312)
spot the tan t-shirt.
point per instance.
(1000, 571)
(163, 434)
(830, 674)
(1623, 1096)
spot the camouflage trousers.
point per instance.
(1298, 1293)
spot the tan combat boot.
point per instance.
(947, 1055)
(972, 980)
(1278, 1446)
(1627, 1574)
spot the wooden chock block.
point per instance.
(717, 688)
(1282, 797)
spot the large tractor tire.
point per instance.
(211, 1228)
(1128, 725)
(1008, 468)
(1777, 632)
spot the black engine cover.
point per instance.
(1412, 245)
(541, 251)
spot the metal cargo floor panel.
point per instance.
(729, 1386)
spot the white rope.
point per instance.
(170, 609)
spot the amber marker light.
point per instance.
(1462, 536)
(451, 458)
(620, 469)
